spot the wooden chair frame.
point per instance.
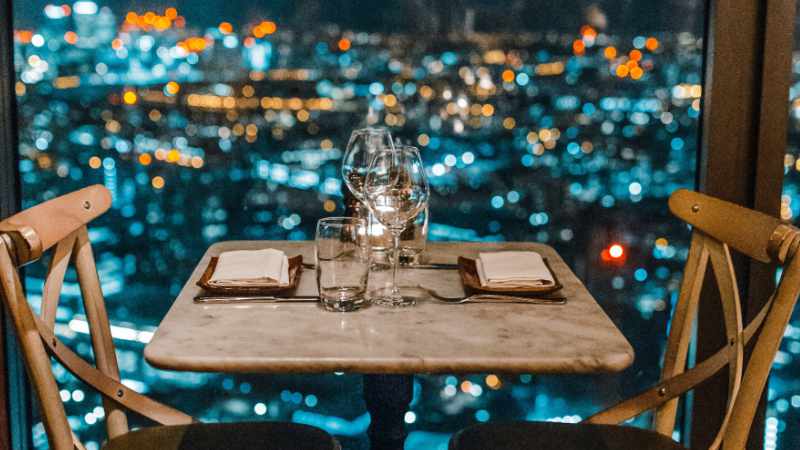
(719, 225)
(60, 225)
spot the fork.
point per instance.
(494, 298)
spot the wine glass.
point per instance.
(396, 190)
(363, 145)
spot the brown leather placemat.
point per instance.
(472, 282)
(295, 268)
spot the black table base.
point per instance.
(387, 398)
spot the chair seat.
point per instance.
(216, 436)
(558, 436)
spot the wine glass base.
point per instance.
(386, 298)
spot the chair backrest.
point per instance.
(59, 226)
(717, 227)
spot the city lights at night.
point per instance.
(573, 135)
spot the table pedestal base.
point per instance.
(387, 398)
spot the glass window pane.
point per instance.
(567, 123)
(783, 395)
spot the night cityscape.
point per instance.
(571, 133)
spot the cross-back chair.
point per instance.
(59, 225)
(717, 227)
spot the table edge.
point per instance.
(612, 363)
(609, 363)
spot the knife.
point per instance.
(443, 266)
(255, 299)
(431, 266)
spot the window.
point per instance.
(560, 124)
(783, 407)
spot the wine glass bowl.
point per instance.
(364, 143)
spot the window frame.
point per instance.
(14, 390)
(742, 143)
(747, 72)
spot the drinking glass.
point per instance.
(342, 256)
(396, 191)
(364, 143)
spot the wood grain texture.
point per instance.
(46, 224)
(743, 229)
(719, 224)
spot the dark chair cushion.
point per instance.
(558, 436)
(217, 436)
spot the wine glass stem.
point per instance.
(395, 259)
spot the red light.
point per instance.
(613, 254)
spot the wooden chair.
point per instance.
(60, 225)
(717, 225)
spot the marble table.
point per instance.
(577, 337)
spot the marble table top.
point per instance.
(428, 338)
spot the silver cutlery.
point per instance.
(255, 299)
(431, 266)
(496, 298)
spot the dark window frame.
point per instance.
(742, 143)
(14, 390)
(743, 131)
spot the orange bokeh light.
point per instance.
(610, 52)
(508, 75)
(172, 88)
(635, 55)
(70, 37)
(129, 97)
(193, 44)
(588, 31)
(269, 27)
(264, 28)
(344, 44)
(651, 44)
(23, 36)
(578, 47)
(225, 28)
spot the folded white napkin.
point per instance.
(513, 269)
(268, 267)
